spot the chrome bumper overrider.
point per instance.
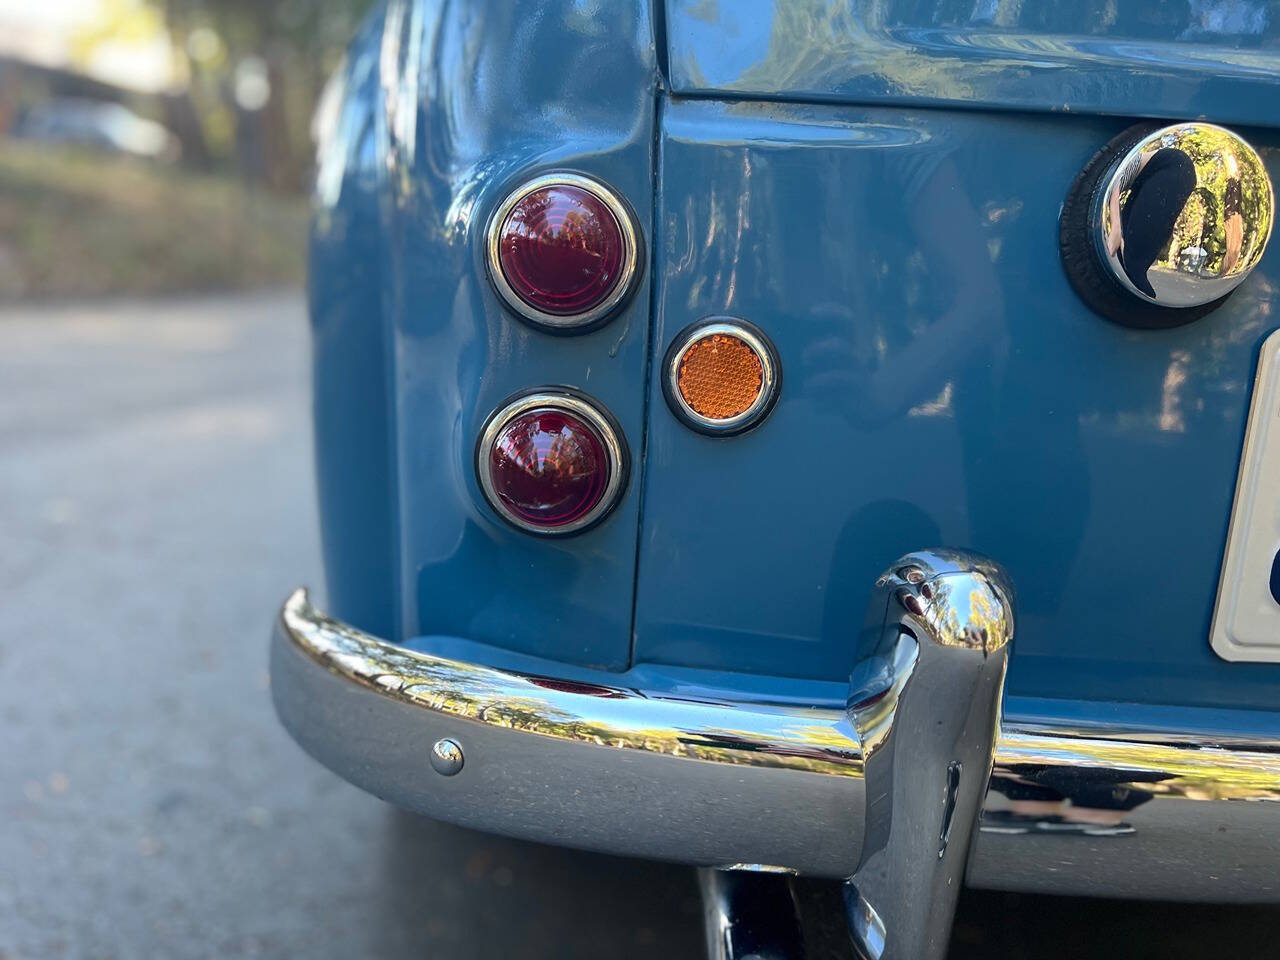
(885, 792)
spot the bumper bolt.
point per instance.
(446, 757)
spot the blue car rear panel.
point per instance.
(942, 384)
(898, 242)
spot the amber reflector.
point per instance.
(720, 376)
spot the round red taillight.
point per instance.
(563, 251)
(551, 463)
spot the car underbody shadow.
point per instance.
(453, 892)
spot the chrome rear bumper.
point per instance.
(593, 767)
(734, 784)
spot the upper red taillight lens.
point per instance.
(563, 251)
(551, 463)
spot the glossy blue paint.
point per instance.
(349, 345)
(470, 100)
(941, 384)
(1185, 59)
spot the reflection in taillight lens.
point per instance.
(562, 250)
(548, 468)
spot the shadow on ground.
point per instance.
(455, 892)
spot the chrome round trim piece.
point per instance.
(771, 375)
(580, 405)
(1216, 190)
(574, 323)
(446, 757)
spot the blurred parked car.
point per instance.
(96, 124)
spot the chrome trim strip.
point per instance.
(760, 346)
(588, 409)
(571, 323)
(717, 783)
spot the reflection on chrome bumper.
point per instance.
(1102, 812)
(1130, 813)
(544, 759)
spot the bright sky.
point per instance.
(45, 32)
(62, 14)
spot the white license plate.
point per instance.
(1246, 620)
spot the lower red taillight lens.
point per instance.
(548, 467)
(551, 463)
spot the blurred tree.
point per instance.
(255, 69)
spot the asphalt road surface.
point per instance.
(156, 504)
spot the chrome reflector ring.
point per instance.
(575, 404)
(628, 274)
(770, 375)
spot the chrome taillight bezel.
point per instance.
(628, 276)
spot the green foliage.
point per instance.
(296, 43)
(314, 29)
